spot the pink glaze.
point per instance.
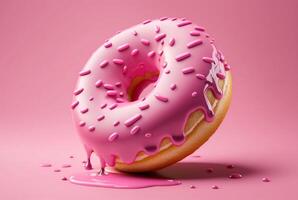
(115, 180)
(187, 64)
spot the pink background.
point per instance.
(44, 44)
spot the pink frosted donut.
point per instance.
(141, 86)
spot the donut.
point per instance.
(151, 95)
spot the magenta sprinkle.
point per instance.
(157, 29)
(112, 93)
(173, 86)
(91, 128)
(135, 33)
(84, 110)
(208, 60)
(124, 70)
(118, 61)
(235, 176)
(215, 187)
(57, 170)
(188, 70)
(108, 86)
(103, 64)
(266, 180)
(132, 120)
(230, 166)
(200, 76)
(82, 123)
(78, 91)
(85, 72)
(123, 47)
(172, 42)
(46, 165)
(195, 33)
(183, 56)
(184, 23)
(151, 54)
(199, 28)
(120, 100)
(116, 123)
(107, 44)
(194, 43)
(64, 178)
(163, 18)
(113, 106)
(134, 52)
(194, 94)
(160, 36)
(144, 106)
(221, 75)
(74, 104)
(103, 105)
(210, 170)
(167, 71)
(66, 166)
(113, 136)
(118, 84)
(146, 21)
(101, 117)
(227, 67)
(145, 42)
(98, 83)
(135, 130)
(161, 98)
(192, 187)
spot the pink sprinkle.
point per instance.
(132, 120)
(103, 64)
(66, 166)
(200, 76)
(144, 106)
(194, 94)
(124, 70)
(230, 166)
(173, 86)
(98, 83)
(167, 71)
(84, 110)
(134, 52)
(135, 130)
(157, 29)
(113, 136)
(118, 61)
(184, 23)
(78, 91)
(151, 54)
(194, 43)
(145, 42)
(85, 72)
(118, 84)
(227, 67)
(46, 165)
(108, 86)
(160, 36)
(174, 19)
(112, 93)
(64, 178)
(146, 21)
(172, 42)
(192, 187)
(183, 56)
(116, 123)
(121, 94)
(161, 98)
(101, 117)
(235, 176)
(113, 106)
(107, 44)
(123, 47)
(266, 180)
(165, 65)
(120, 100)
(163, 18)
(160, 52)
(147, 135)
(194, 33)
(210, 170)
(208, 60)
(135, 33)
(221, 75)
(91, 98)
(82, 123)
(57, 170)
(199, 28)
(91, 128)
(74, 104)
(103, 105)
(188, 70)
(215, 187)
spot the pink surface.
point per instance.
(44, 44)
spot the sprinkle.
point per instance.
(194, 94)
(146, 21)
(57, 170)
(46, 165)
(151, 54)
(116, 123)
(230, 166)
(100, 117)
(120, 100)
(74, 104)
(188, 70)
(118, 84)
(199, 28)
(135, 130)
(103, 105)
(221, 75)
(194, 43)
(147, 135)
(66, 166)
(98, 83)
(124, 70)
(84, 110)
(161, 98)
(85, 72)
(64, 178)
(235, 176)
(82, 123)
(135, 33)
(210, 170)
(157, 29)
(91, 98)
(111, 93)
(165, 64)
(91, 128)
(182, 56)
(145, 42)
(208, 60)
(215, 187)
(132, 120)
(123, 47)
(195, 33)
(266, 180)
(103, 64)
(227, 67)
(114, 105)
(200, 76)
(160, 36)
(192, 187)
(118, 61)
(151, 148)
(108, 86)
(107, 44)
(144, 106)
(134, 52)
(160, 52)
(184, 23)
(163, 18)
(173, 86)
(113, 136)
(174, 19)
(167, 71)
(78, 91)
(121, 94)
(172, 42)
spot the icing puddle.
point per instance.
(118, 180)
